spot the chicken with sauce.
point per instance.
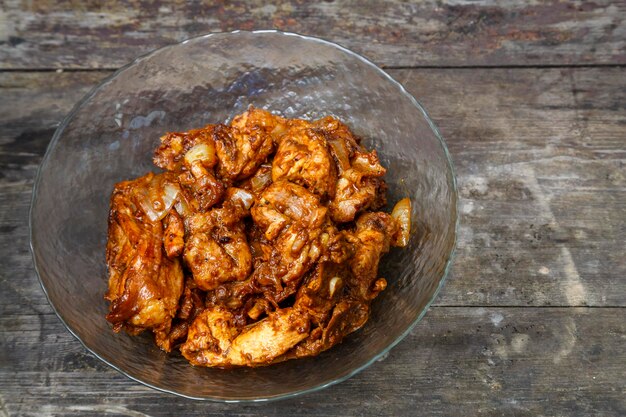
(145, 283)
(260, 241)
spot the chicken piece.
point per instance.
(321, 290)
(144, 284)
(191, 304)
(284, 203)
(182, 148)
(297, 250)
(173, 238)
(201, 189)
(373, 234)
(292, 219)
(216, 250)
(359, 186)
(324, 297)
(193, 155)
(271, 337)
(355, 193)
(237, 150)
(259, 119)
(236, 294)
(303, 157)
(343, 144)
(338, 296)
(214, 338)
(209, 337)
(244, 145)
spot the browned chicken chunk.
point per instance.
(144, 283)
(215, 339)
(259, 243)
(183, 148)
(359, 186)
(304, 158)
(337, 295)
(291, 217)
(374, 232)
(217, 250)
(244, 145)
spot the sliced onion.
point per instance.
(157, 200)
(261, 180)
(368, 164)
(333, 285)
(402, 215)
(340, 151)
(203, 152)
(278, 131)
(182, 206)
(242, 197)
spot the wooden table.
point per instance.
(531, 100)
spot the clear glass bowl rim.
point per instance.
(102, 84)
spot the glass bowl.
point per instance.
(110, 136)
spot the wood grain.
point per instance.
(540, 161)
(457, 361)
(95, 34)
(530, 97)
(539, 156)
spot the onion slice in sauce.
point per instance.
(262, 179)
(182, 206)
(201, 152)
(402, 215)
(158, 198)
(340, 151)
(242, 197)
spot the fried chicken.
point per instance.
(259, 243)
(303, 157)
(216, 340)
(144, 283)
(217, 250)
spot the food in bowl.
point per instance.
(259, 242)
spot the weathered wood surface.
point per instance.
(540, 157)
(458, 361)
(96, 34)
(540, 161)
(532, 319)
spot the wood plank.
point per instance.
(540, 162)
(33, 105)
(539, 156)
(93, 34)
(457, 361)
